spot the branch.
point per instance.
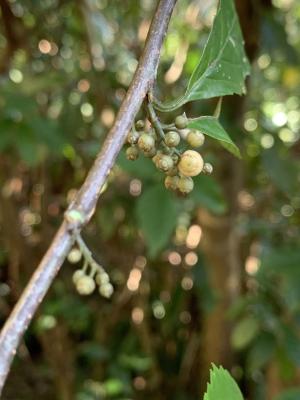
(89, 193)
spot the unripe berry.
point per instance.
(185, 184)
(171, 182)
(132, 153)
(133, 137)
(85, 285)
(172, 172)
(146, 142)
(79, 273)
(181, 122)
(139, 125)
(191, 163)
(106, 290)
(151, 153)
(102, 278)
(165, 163)
(172, 139)
(195, 138)
(208, 169)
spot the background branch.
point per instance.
(89, 193)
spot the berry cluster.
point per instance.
(160, 143)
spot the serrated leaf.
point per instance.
(222, 386)
(156, 213)
(223, 65)
(211, 126)
(208, 194)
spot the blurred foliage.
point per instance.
(65, 67)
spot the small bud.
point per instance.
(181, 121)
(74, 217)
(185, 184)
(146, 142)
(195, 138)
(171, 182)
(139, 125)
(85, 285)
(151, 153)
(106, 290)
(172, 139)
(208, 169)
(79, 273)
(102, 278)
(133, 137)
(191, 163)
(165, 163)
(132, 153)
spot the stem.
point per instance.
(154, 120)
(89, 193)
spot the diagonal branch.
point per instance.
(89, 193)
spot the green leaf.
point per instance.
(208, 194)
(261, 351)
(223, 65)
(211, 126)
(244, 332)
(222, 386)
(156, 213)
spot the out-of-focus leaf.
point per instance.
(223, 65)
(141, 168)
(207, 193)
(290, 394)
(156, 214)
(222, 386)
(139, 364)
(211, 126)
(261, 352)
(244, 332)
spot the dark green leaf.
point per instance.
(244, 332)
(223, 66)
(211, 126)
(156, 213)
(208, 194)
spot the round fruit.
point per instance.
(185, 184)
(171, 182)
(102, 278)
(146, 142)
(133, 137)
(191, 163)
(165, 163)
(181, 122)
(139, 125)
(85, 285)
(106, 290)
(132, 153)
(151, 153)
(79, 273)
(195, 138)
(208, 168)
(172, 139)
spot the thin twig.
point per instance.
(89, 193)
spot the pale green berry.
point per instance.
(195, 138)
(191, 163)
(85, 285)
(165, 163)
(106, 290)
(133, 137)
(208, 169)
(181, 121)
(172, 139)
(146, 142)
(185, 184)
(132, 153)
(171, 182)
(139, 125)
(102, 278)
(79, 273)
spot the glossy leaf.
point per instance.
(211, 126)
(223, 65)
(222, 386)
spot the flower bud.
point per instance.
(85, 285)
(146, 142)
(195, 138)
(185, 184)
(132, 153)
(172, 139)
(191, 163)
